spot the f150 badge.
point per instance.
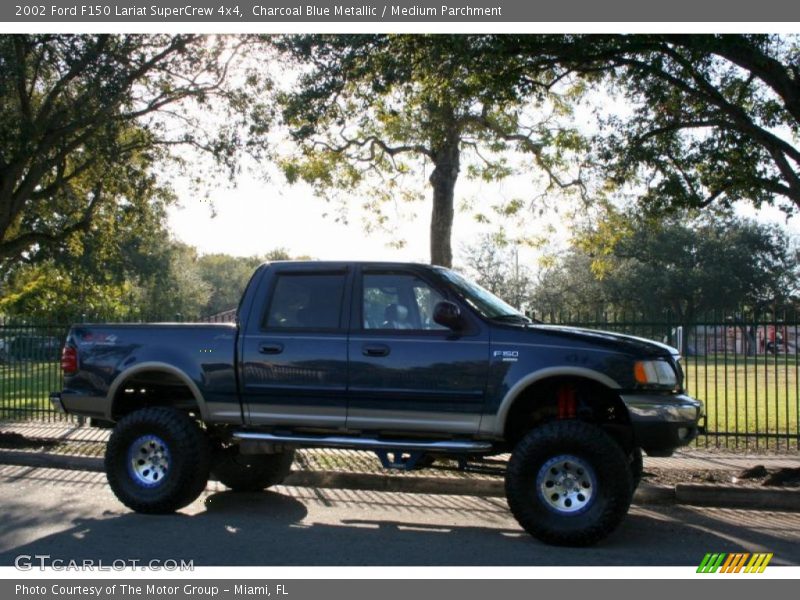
(507, 355)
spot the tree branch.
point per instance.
(19, 244)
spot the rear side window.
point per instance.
(307, 301)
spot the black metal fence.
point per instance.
(745, 367)
(30, 369)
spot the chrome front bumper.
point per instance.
(662, 423)
(669, 409)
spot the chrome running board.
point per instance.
(360, 443)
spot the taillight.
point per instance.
(69, 359)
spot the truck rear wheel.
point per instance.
(157, 460)
(568, 483)
(250, 472)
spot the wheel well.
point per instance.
(569, 397)
(153, 388)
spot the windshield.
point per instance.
(481, 299)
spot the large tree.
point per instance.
(567, 288)
(99, 272)
(369, 109)
(80, 112)
(706, 119)
(177, 292)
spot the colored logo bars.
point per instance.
(734, 563)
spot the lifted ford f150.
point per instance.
(408, 360)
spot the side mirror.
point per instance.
(447, 314)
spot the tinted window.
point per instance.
(398, 301)
(306, 302)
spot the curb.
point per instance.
(693, 494)
(51, 461)
(760, 498)
(392, 483)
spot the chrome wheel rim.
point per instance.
(148, 461)
(567, 484)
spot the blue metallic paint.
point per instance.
(463, 381)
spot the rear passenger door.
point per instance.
(294, 367)
(408, 373)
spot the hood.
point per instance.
(608, 339)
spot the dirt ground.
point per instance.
(751, 478)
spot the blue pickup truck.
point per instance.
(411, 361)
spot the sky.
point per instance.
(255, 217)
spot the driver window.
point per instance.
(399, 301)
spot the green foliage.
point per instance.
(141, 279)
(45, 293)
(141, 275)
(682, 264)
(227, 277)
(568, 285)
(96, 271)
(85, 121)
(177, 291)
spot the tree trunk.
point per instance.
(446, 161)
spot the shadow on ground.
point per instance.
(371, 528)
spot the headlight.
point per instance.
(655, 372)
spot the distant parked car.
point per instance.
(32, 347)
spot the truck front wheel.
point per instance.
(157, 460)
(568, 483)
(637, 467)
(250, 472)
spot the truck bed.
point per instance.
(176, 356)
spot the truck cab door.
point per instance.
(408, 373)
(293, 366)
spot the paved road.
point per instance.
(73, 515)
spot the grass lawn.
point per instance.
(746, 395)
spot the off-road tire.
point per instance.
(189, 464)
(611, 471)
(250, 472)
(637, 467)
